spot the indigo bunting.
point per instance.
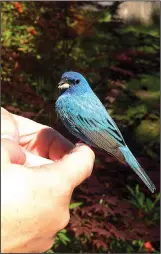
(85, 117)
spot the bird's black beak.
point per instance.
(63, 84)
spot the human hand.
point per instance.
(36, 191)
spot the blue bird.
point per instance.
(85, 117)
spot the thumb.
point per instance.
(75, 166)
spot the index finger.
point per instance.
(41, 139)
(8, 126)
(73, 168)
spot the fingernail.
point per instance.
(77, 145)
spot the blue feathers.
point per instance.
(133, 163)
(85, 117)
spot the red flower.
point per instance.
(18, 6)
(31, 30)
(148, 246)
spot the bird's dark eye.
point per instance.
(77, 81)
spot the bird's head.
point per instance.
(72, 81)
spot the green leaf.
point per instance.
(149, 204)
(156, 199)
(63, 237)
(131, 190)
(74, 205)
(134, 202)
(141, 199)
(49, 251)
(63, 231)
(137, 189)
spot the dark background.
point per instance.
(116, 47)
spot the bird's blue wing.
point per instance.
(85, 117)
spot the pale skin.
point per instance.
(40, 169)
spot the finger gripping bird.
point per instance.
(85, 117)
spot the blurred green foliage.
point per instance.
(150, 207)
(42, 40)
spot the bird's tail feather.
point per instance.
(132, 162)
